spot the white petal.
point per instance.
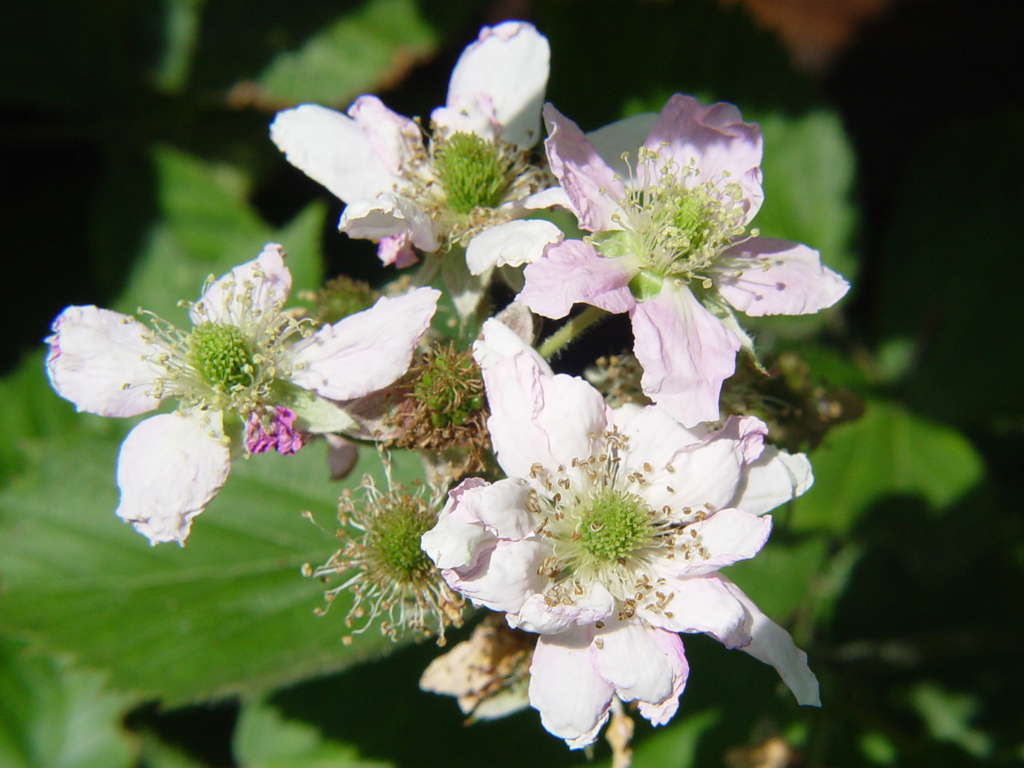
(504, 577)
(536, 615)
(727, 536)
(630, 657)
(456, 541)
(100, 361)
(387, 215)
(499, 342)
(365, 351)
(511, 244)
(701, 604)
(333, 149)
(706, 474)
(497, 85)
(543, 419)
(654, 438)
(247, 291)
(775, 478)
(395, 139)
(773, 645)
(566, 689)
(169, 468)
(501, 508)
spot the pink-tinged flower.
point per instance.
(471, 172)
(670, 245)
(244, 363)
(606, 539)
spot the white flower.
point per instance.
(473, 172)
(606, 539)
(245, 362)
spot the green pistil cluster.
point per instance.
(390, 578)
(674, 226)
(393, 543)
(613, 526)
(450, 389)
(472, 171)
(222, 356)
(343, 296)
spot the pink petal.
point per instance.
(715, 140)
(571, 272)
(773, 645)
(365, 351)
(100, 361)
(334, 150)
(397, 250)
(497, 85)
(504, 577)
(247, 291)
(511, 244)
(763, 276)
(643, 663)
(686, 353)
(774, 479)
(624, 136)
(591, 185)
(169, 468)
(566, 689)
(701, 604)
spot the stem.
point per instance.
(572, 329)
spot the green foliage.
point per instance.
(55, 716)
(888, 451)
(358, 52)
(227, 613)
(265, 739)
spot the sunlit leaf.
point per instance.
(209, 228)
(359, 52)
(265, 739)
(228, 612)
(888, 451)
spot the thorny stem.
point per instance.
(572, 329)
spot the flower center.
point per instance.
(222, 356)
(473, 172)
(674, 224)
(395, 539)
(613, 526)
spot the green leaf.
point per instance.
(888, 451)
(808, 169)
(229, 612)
(55, 716)
(265, 739)
(780, 576)
(947, 716)
(209, 228)
(358, 53)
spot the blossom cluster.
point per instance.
(599, 532)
